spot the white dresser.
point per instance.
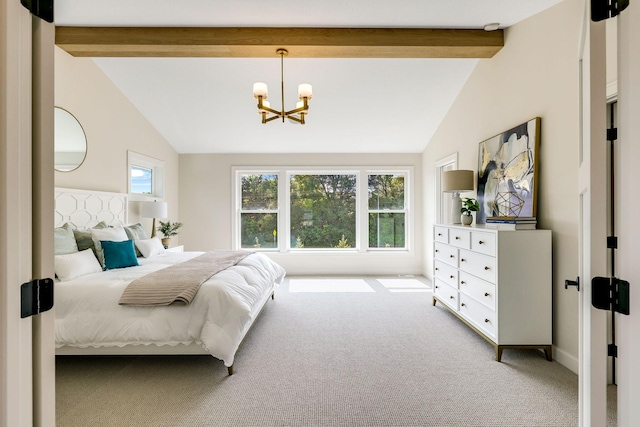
(498, 282)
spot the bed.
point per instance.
(90, 320)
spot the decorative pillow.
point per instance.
(135, 232)
(150, 247)
(112, 234)
(118, 254)
(64, 240)
(76, 264)
(84, 239)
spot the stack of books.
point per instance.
(511, 222)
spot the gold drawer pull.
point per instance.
(480, 242)
(463, 304)
(486, 294)
(452, 297)
(437, 287)
(452, 277)
(436, 269)
(486, 268)
(462, 282)
(486, 320)
(452, 256)
(457, 238)
(461, 259)
(439, 234)
(437, 250)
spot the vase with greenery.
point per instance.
(168, 230)
(468, 205)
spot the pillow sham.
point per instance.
(113, 234)
(135, 232)
(150, 247)
(84, 239)
(118, 254)
(64, 240)
(69, 266)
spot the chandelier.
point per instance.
(264, 108)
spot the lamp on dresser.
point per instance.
(153, 210)
(455, 182)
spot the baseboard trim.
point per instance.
(565, 359)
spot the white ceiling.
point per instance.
(205, 105)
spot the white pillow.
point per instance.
(76, 264)
(150, 247)
(113, 234)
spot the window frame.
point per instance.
(361, 243)
(404, 210)
(157, 175)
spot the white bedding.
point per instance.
(88, 314)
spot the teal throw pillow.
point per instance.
(118, 254)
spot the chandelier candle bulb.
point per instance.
(260, 89)
(305, 91)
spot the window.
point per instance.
(145, 175)
(259, 211)
(386, 211)
(302, 210)
(322, 211)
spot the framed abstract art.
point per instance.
(508, 173)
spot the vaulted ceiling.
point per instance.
(381, 83)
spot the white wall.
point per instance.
(206, 210)
(112, 126)
(535, 74)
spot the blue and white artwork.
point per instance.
(507, 173)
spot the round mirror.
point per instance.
(70, 142)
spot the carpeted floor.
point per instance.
(378, 357)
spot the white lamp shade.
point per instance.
(458, 180)
(305, 91)
(154, 210)
(260, 89)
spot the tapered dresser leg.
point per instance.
(230, 370)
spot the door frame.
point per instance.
(592, 179)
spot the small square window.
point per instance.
(141, 180)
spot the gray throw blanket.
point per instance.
(179, 283)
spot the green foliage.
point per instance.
(169, 229)
(469, 205)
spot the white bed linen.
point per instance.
(88, 314)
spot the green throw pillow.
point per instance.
(64, 240)
(136, 232)
(84, 239)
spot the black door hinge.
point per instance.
(36, 297)
(605, 9)
(612, 242)
(610, 293)
(612, 134)
(612, 350)
(43, 9)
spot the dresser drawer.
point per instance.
(446, 294)
(447, 273)
(479, 315)
(479, 265)
(441, 234)
(446, 253)
(484, 243)
(460, 238)
(478, 289)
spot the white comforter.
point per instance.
(88, 314)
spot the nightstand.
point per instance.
(175, 249)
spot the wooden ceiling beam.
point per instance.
(246, 42)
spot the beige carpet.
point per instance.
(361, 358)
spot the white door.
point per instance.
(628, 228)
(25, 399)
(593, 222)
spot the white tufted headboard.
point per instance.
(83, 208)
